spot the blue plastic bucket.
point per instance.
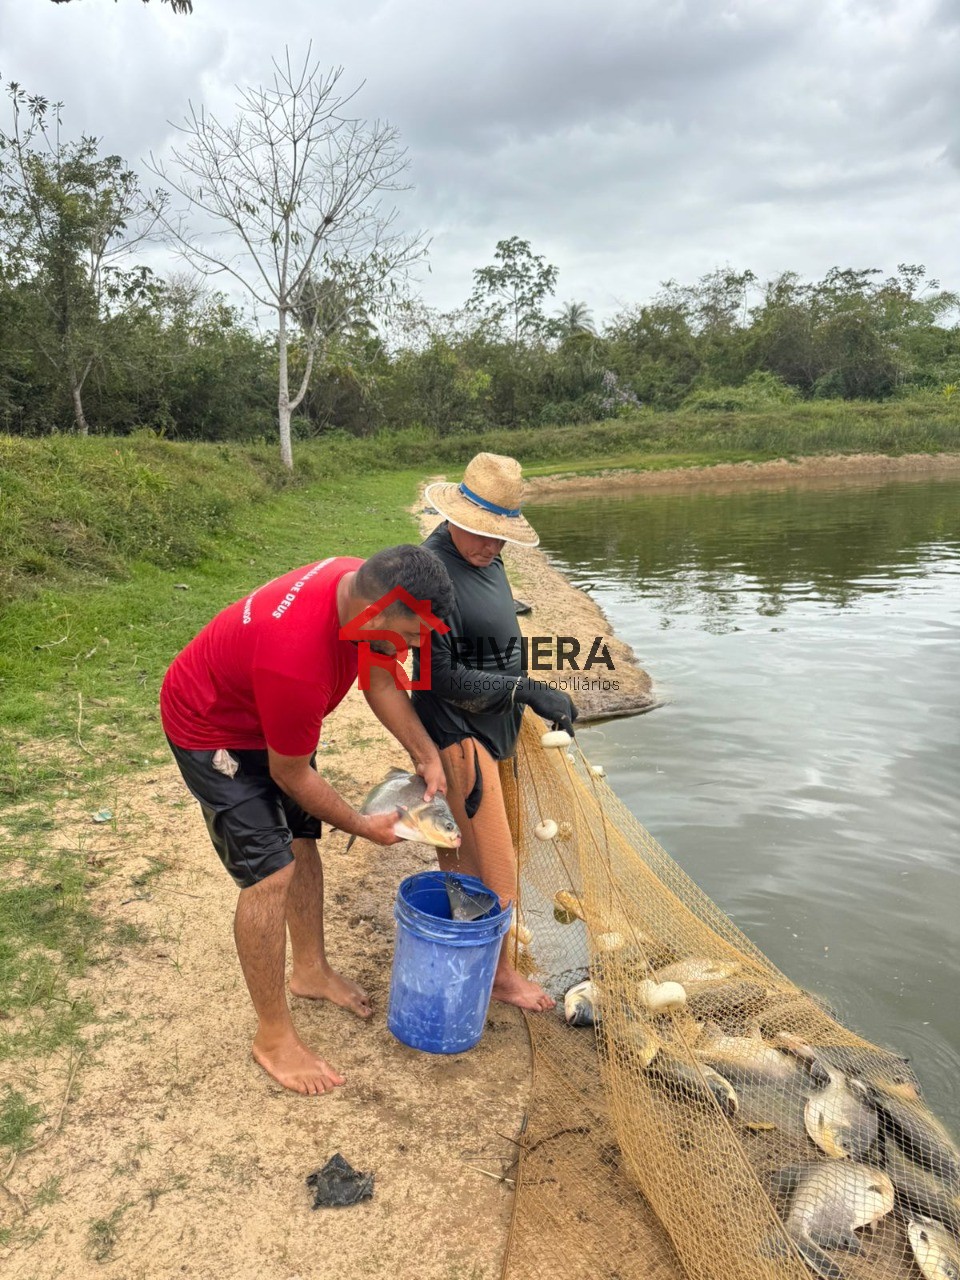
(442, 968)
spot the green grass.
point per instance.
(102, 1233)
(49, 1192)
(155, 869)
(49, 932)
(83, 509)
(683, 438)
(127, 933)
(18, 1119)
(585, 466)
(80, 670)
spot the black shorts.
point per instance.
(250, 820)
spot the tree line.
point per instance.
(289, 200)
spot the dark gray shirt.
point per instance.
(475, 665)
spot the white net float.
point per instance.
(661, 997)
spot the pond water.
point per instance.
(805, 768)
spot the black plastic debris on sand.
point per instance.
(337, 1184)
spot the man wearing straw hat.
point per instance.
(478, 687)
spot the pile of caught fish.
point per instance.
(708, 1033)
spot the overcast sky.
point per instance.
(628, 140)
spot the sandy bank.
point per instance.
(848, 466)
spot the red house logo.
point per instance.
(357, 631)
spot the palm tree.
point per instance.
(572, 319)
(328, 308)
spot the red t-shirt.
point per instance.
(266, 670)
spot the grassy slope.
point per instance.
(659, 440)
(100, 627)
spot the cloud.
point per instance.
(628, 140)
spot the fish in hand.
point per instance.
(429, 821)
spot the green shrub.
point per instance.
(759, 391)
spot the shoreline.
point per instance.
(848, 466)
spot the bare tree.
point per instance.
(178, 6)
(292, 191)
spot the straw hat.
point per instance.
(487, 501)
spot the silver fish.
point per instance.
(775, 1105)
(581, 1005)
(922, 1137)
(877, 1068)
(698, 969)
(696, 1081)
(744, 1059)
(734, 1000)
(431, 822)
(839, 1118)
(919, 1193)
(880, 1067)
(637, 1043)
(829, 1203)
(818, 1067)
(937, 1252)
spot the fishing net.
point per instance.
(717, 1122)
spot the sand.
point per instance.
(848, 466)
(179, 1157)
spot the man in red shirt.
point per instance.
(242, 706)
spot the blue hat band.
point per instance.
(488, 506)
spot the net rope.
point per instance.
(715, 1122)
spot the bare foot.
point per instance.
(325, 984)
(295, 1066)
(511, 987)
